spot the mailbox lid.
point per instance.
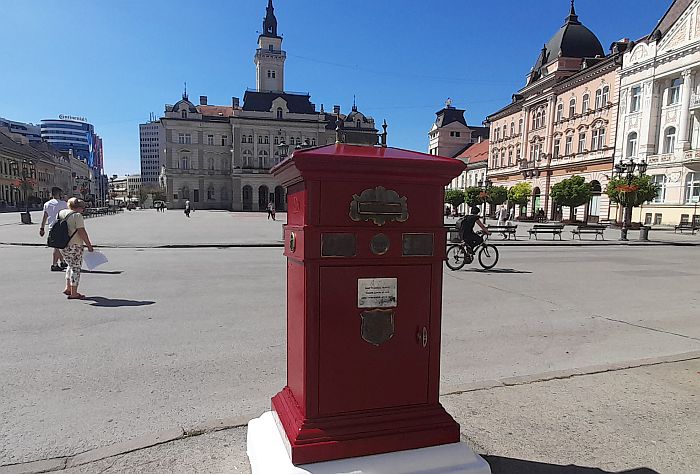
(357, 160)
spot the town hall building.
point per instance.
(220, 156)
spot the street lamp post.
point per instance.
(485, 185)
(626, 171)
(25, 183)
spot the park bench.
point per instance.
(685, 225)
(505, 230)
(554, 229)
(596, 229)
(452, 233)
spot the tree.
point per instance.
(634, 193)
(498, 195)
(572, 192)
(157, 192)
(472, 196)
(520, 193)
(454, 197)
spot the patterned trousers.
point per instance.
(73, 256)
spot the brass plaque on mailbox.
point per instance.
(417, 245)
(379, 205)
(339, 244)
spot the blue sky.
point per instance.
(114, 62)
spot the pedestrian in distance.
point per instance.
(188, 208)
(73, 252)
(51, 209)
(502, 215)
(270, 210)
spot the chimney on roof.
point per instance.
(202, 100)
(235, 102)
(336, 109)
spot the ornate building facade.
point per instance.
(562, 123)
(219, 156)
(660, 113)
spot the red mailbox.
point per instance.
(365, 246)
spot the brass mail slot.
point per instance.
(417, 245)
(380, 208)
(338, 245)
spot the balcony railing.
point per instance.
(662, 159)
(691, 156)
(694, 101)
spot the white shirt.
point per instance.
(52, 207)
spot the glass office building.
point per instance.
(71, 134)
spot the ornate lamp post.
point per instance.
(485, 185)
(25, 183)
(626, 171)
(283, 149)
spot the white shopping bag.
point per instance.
(94, 259)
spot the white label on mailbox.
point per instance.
(376, 292)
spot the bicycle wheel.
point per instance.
(456, 257)
(488, 256)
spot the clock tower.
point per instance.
(269, 57)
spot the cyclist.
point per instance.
(466, 229)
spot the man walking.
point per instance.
(51, 209)
(187, 208)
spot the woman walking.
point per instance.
(73, 252)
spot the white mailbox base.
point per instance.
(268, 455)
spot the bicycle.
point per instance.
(462, 253)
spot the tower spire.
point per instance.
(269, 22)
(573, 17)
(184, 93)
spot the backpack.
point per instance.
(58, 235)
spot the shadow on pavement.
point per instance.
(116, 303)
(500, 465)
(101, 272)
(495, 270)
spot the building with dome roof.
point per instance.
(561, 123)
(219, 156)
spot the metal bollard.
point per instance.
(644, 233)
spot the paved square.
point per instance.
(177, 337)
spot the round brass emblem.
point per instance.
(379, 244)
(292, 241)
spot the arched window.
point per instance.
(606, 96)
(520, 126)
(267, 139)
(510, 157)
(512, 129)
(250, 138)
(631, 145)
(660, 180)
(517, 154)
(260, 139)
(572, 108)
(358, 123)
(560, 112)
(585, 103)
(243, 140)
(503, 157)
(183, 114)
(669, 140)
(598, 99)
(279, 112)
(692, 187)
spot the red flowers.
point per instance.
(627, 188)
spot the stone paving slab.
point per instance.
(641, 420)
